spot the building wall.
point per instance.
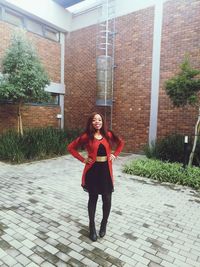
(47, 11)
(49, 53)
(181, 35)
(32, 116)
(132, 77)
(93, 14)
(80, 76)
(133, 58)
(132, 83)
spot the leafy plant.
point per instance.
(169, 148)
(73, 133)
(24, 77)
(35, 144)
(10, 149)
(164, 172)
(183, 90)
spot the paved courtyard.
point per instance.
(43, 219)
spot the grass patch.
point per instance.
(164, 172)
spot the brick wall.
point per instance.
(80, 76)
(181, 35)
(33, 116)
(132, 83)
(48, 51)
(133, 57)
(132, 77)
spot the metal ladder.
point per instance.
(106, 43)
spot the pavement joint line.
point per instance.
(43, 219)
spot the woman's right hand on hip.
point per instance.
(88, 161)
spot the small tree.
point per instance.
(23, 76)
(183, 90)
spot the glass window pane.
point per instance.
(54, 99)
(34, 26)
(51, 34)
(13, 18)
(0, 12)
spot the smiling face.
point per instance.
(97, 122)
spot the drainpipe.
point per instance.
(62, 76)
(155, 75)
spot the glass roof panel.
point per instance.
(84, 5)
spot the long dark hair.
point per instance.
(90, 131)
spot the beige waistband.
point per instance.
(101, 159)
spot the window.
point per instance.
(54, 99)
(51, 34)
(34, 26)
(12, 17)
(21, 20)
(0, 12)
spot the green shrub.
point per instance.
(151, 151)
(71, 134)
(196, 160)
(165, 172)
(169, 149)
(10, 148)
(35, 144)
(43, 142)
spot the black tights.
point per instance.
(92, 202)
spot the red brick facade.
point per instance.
(133, 57)
(80, 76)
(132, 83)
(33, 116)
(132, 77)
(48, 51)
(180, 35)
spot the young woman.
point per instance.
(97, 178)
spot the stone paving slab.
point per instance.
(43, 219)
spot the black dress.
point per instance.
(98, 179)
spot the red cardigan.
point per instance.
(91, 148)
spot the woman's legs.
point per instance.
(106, 207)
(106, 211)
(92, 202)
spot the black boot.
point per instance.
(93, 233)
(92, 202)
(102, 230)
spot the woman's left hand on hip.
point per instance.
(112, 157)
